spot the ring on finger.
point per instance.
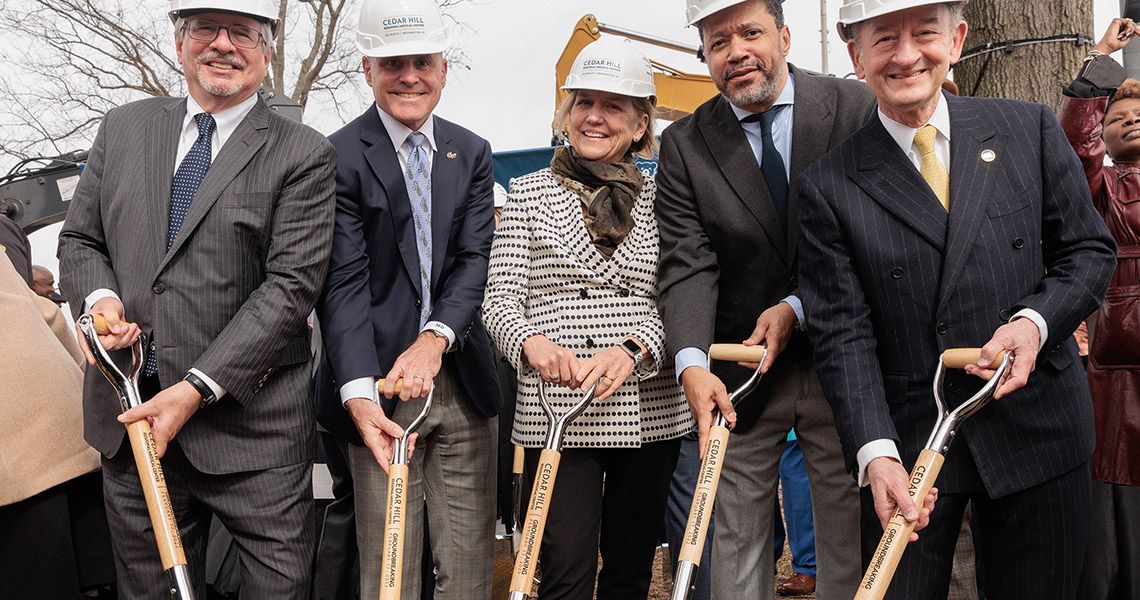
(419, 377)
(607, 378)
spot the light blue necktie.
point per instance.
(418, 180)
(189, 175)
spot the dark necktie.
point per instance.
(189, 176)
(771, 163)
(183, 188)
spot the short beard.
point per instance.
(219, 88)
(762, 92)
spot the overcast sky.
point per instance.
(507, 94)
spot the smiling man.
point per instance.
(414, 221)
(729, 249)
(205, 222)
(949, 222)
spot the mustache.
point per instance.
(752, 63)
(229, 58)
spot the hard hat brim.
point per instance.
(404, 49)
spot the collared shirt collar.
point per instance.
(903, 135)
(399, 132)
(226, 120)
(787, 96)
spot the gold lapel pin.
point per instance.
(452, 154)
(988, 155)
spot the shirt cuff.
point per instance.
(98, 295)
(1038, 320)
(690, 357)
(218, 390)
(798, 308)
(872, 450)
(363, 387)
(439, 327)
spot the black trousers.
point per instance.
(1112, 568)
(56, 543)
(612, 500)
(1030, 544)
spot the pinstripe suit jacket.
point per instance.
(231, 295)
(889, 280)
(546, 277)
(724, 256)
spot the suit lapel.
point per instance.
(733, 155)
(444, 196)
(159, 149)
(812, 121)
(246, 140)
(577, 238)
(889, 178)
(970, 182)
(381, 157)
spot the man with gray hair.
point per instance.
(205, 223)
(729, 248)
(955, 222)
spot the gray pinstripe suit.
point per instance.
(888, 281)
(229, 298)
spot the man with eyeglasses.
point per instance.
(205, 223)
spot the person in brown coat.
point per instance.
(1100, 114)
(45, 492)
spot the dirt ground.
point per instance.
(662, 574)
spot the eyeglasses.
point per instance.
(207, 31)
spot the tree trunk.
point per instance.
(1035, 72)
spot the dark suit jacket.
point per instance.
(17, 248)
(230, 296)
(369, 311)
(724, 257)
(889, 281)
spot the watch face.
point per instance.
(632, 347)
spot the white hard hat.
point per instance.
(269, 10)
(856, 11)
(699, 9)
(401, 28)
(612, 65)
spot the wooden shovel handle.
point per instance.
(736, 352)
(158, 505)
(896, 535)
(395, 518)
(958, 358)
(704, 495)
(535, 523)
(519, 461)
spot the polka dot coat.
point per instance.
(546, 277)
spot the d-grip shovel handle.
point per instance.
(708, 477)
(149, 467)
(896, 535)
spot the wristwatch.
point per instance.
(204, 390)
(633, 350)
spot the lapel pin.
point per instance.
(452, 154)
(988, 155)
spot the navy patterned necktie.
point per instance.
(418, 180)
(189, 175)
(771, 163)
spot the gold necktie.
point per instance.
(932, 169)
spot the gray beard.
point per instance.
(761, 93)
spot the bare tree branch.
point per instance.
(70, 61)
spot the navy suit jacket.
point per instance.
(889, 281)
(369, 311)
